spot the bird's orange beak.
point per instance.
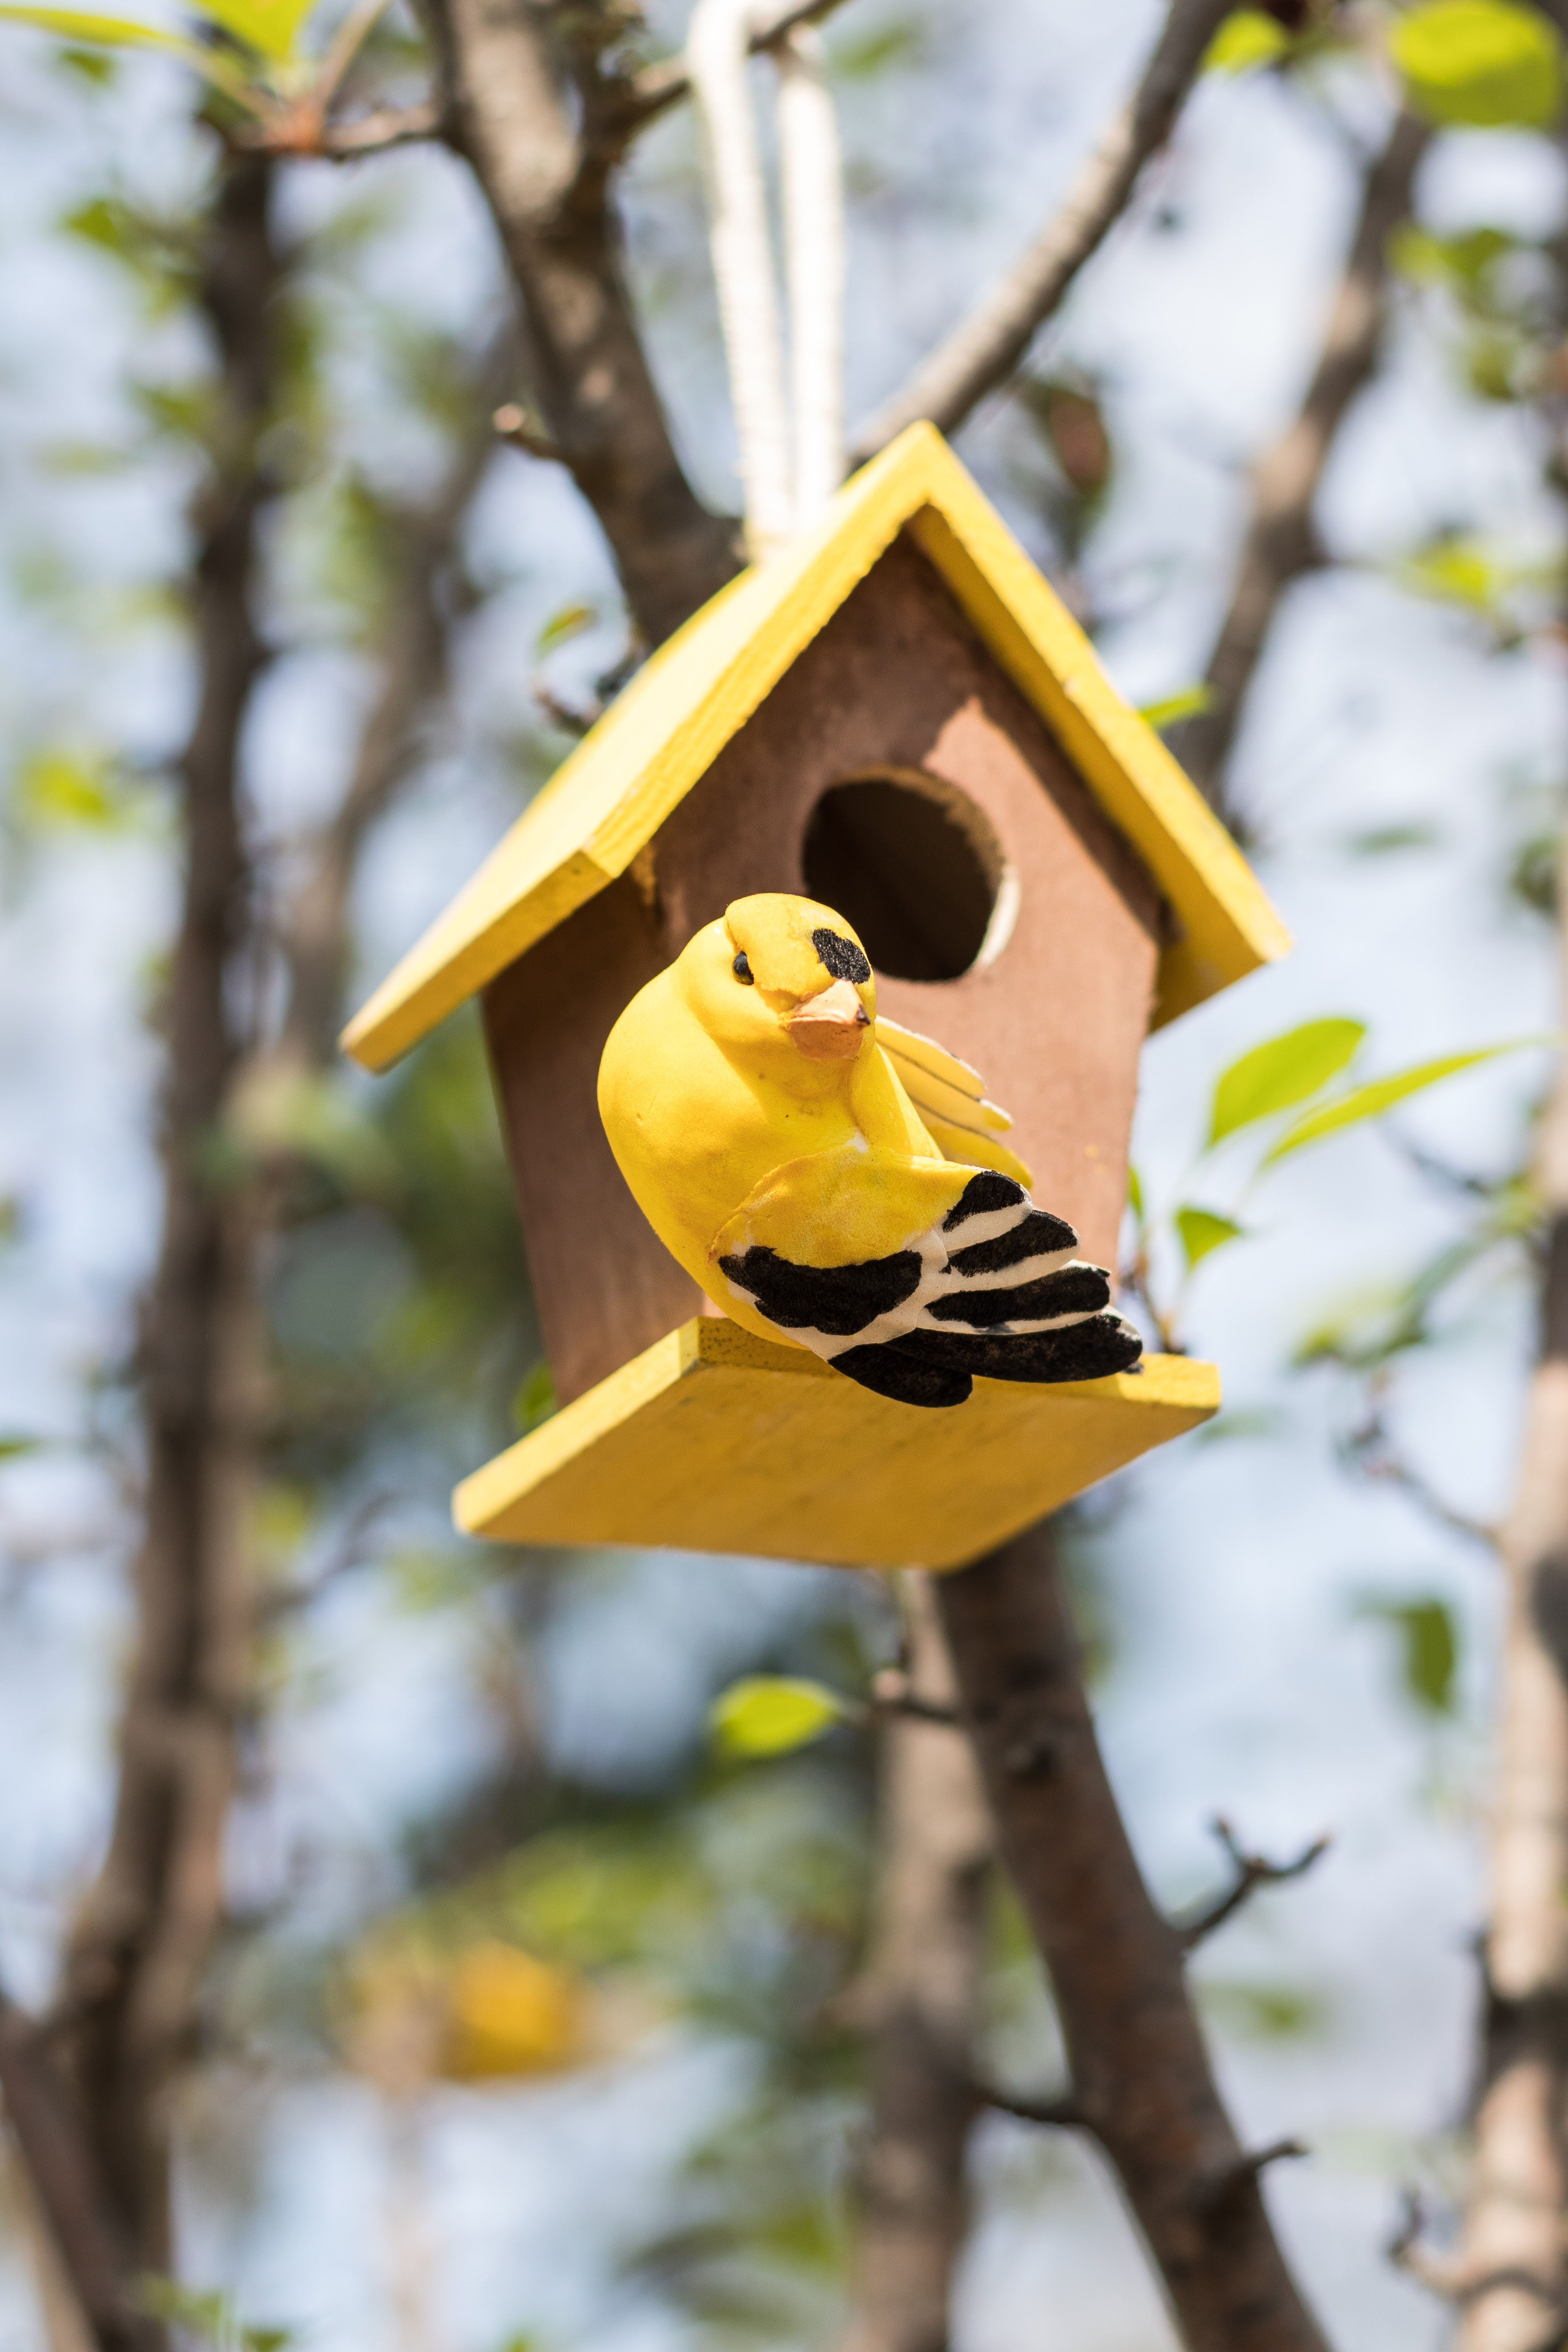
(828, 1027)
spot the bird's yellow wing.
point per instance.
(949, 1097)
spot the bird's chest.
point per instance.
(727, 1135)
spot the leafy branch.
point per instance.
(1295, 1072)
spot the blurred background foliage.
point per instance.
(488, 1846)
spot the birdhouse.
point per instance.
(898, 717)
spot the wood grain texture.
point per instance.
(715, 1441)
(664, 733)
(603, 1284)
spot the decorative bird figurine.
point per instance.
(835, 1181)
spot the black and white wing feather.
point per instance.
(994, 1290)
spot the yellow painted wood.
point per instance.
(624, 778)
(715, 1441)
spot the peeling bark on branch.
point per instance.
(987, 345)
(1512, 2268)
(1281, 542)
(543, 169)
(1141, 2074)
(926, 1971)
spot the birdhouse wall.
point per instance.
(1053, 1015)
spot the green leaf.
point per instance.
(1371, 1101)
(66, 791)
(1135, 1193)
(1264, 2012)
(12, 1445)
(767, 1715)
(535, 1400)
(1203, 1230)
(78, 25)
(859, 56)
(1247, 38)
(1462, 261)
(1483, 62)
(1187, 702)
(568, 622)
(1429, 1647)
(1384, 840)
(271, 27)
(1281, 1073)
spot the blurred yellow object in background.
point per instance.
(510, 2014)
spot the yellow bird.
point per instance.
(832, 1180)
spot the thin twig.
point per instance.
(383, 128)
(521, 427)
(987, 344)
(892, 1695)
(659, 86)
(1246, 2167)
(1368, 1449)
(1282, 544)
(1252, 1871)
(1061, 2114)
(1439, 2274)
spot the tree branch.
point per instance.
(1406, 2252)
(1281, 542)
(69, 2188)
(543, 167)
(1251, 1871)
(382, 128)
(136, 1954)
(1055, 2114)
(1139, 2071)
(413, 656)
(1513, 2249)
(923, 1990)
(987, 345)
(659, 86)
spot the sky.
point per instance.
(1253, 1677)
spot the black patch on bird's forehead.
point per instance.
(840, 956)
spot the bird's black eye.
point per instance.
(743, 970)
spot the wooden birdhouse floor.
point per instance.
(714, 1441)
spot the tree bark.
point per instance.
(87, 2277)
(1142, 2082)
(1281, 541)
(926, 1976)
(543, 169)
(1512, 2271)
(133, 1970)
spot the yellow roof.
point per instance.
(666, 730)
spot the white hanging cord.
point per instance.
(787, 479)
(716, 59)
(812, 177)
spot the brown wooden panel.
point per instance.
(1057, 1022)
(605, 1287)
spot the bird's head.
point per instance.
(781, 975)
